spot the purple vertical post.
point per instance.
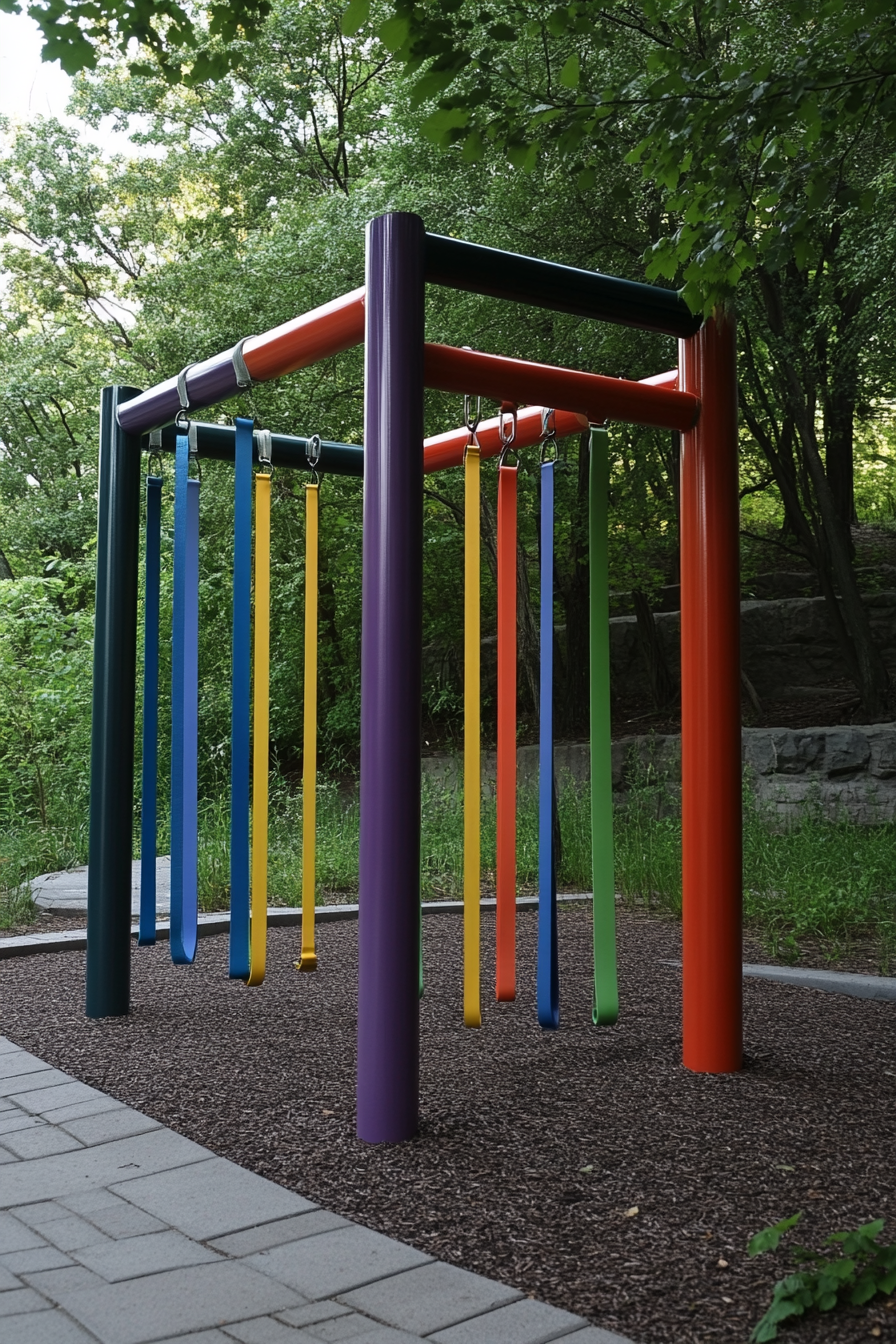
(391, 641)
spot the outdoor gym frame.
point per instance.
(388, 314)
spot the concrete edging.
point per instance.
(75, 940)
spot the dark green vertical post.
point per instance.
(112, 729)
(606, 994)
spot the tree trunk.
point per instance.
(5, 568)
(873, 678)
(839, 415)
(828, 543)
(662, 687)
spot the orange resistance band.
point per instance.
(505, 962)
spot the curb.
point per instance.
(75, 940)
(829, 982)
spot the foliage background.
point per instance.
(245, 203)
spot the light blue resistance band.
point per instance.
(150, 772)
(184, 710)
(240, 710)
(547, 975)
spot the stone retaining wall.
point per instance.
(787, 646)
(845, 770)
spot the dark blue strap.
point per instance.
(547, 977)
(150, 773)
(184, 710)
(240, 716)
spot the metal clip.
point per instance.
(472, 421)
(548, 434)
(312, 457)
(182, 420)
(507, 438)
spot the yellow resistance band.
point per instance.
(260, 736)
(308, 958)
(472, 779)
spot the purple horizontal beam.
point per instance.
(208, 382)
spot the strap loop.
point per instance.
(243, 376)
(264, 441)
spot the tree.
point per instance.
(767, 132)
(184, 46)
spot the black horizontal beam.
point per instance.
(564, 289)
(287, 450)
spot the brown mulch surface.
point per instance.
(511, 1115)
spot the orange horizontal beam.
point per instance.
(327, 330)
(592, 395)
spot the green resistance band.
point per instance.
(606, 994)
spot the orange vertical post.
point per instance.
(505, 801)
(712, 878)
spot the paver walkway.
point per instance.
(116, 1229)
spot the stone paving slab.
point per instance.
(336, 1262)
(524, 1322)
(211, 1198)
(430, 1298)
(146, 1237)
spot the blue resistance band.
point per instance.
(240, 709)
(184, 711)
(547, 976)
(150, 773)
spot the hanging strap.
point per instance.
(605, 1008)
(150, 771)
(505, 849)
(547, 978)
(308, 958)
(260, 733)
(472, 777)
(184, 710)
(240, 702)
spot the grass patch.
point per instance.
(818, 879)
(821, 880)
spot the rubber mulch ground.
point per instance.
(535, 1147)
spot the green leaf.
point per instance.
(473, 149)
(569, 75)
(355, 16)
(770, 1237)
(394, 33)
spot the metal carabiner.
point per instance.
(312, 457)
(548, 434)
(507, 439)
(471, 421)
(182, 420)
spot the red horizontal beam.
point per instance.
(447, 450)
(592, 395)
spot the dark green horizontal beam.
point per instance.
(287, 450)
(565, 289)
